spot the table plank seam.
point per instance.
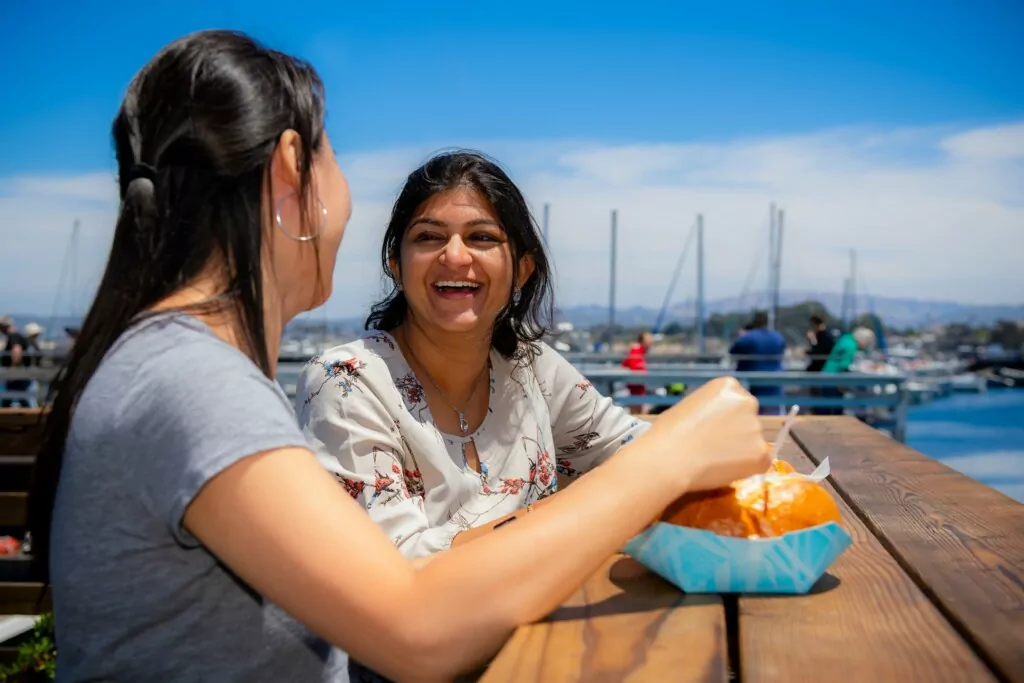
(733, 658)
(944, 609)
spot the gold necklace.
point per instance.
(463, 424)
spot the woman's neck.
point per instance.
(226, 323)
(454, 362)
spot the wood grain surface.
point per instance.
(961, 542)
(13, 508)
(21, 431)
(865, 620)
(624, 624)
(24, 598)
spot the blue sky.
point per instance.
(887, 127)
(404, 73)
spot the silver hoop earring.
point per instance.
(516, 296)
(300, 238)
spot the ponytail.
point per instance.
(108, 318)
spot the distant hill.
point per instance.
(894, 311)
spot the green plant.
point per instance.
(37, 656)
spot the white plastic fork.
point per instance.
(784, 432)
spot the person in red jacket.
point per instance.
(636, 360)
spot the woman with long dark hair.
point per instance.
(452, 414)
(189, 531)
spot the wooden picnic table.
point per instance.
(932, 589)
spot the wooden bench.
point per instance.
(931, 590)
(20, 440)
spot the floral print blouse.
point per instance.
(364, 412)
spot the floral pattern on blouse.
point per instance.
(365, 414)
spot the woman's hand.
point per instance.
(712, 437)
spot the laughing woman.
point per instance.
(451, 412)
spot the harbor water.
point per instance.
(981, 435)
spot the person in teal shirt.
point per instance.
(845, 350)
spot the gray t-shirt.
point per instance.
(136, 597)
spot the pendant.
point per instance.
(463, 425)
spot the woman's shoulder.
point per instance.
(541, 358)
(363, 366)
(156, 351)
(172, 368)
(374, 348)
(539, 364)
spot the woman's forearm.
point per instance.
(450, 614)
(525, 569)
(431, 619)
(476, 532)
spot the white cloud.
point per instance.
(98, 187)
(996, 143)
(935, 212)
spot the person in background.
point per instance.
(761, 350)
(187, 530)
(33, 358)
(636, 360)
(846, 348)
(821, 340)
(14, 356)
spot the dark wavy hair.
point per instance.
(194, 138)
(525, 319)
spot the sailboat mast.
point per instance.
(544, 225)
(777, 280)
(701, 344)
(675, 279)
(74, 268)
(853, 287)
(69, 263)
(611, 290)
(771, 264)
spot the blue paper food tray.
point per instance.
(700, 561)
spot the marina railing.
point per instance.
(672, 361)
(880, 400)
(40, 375)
